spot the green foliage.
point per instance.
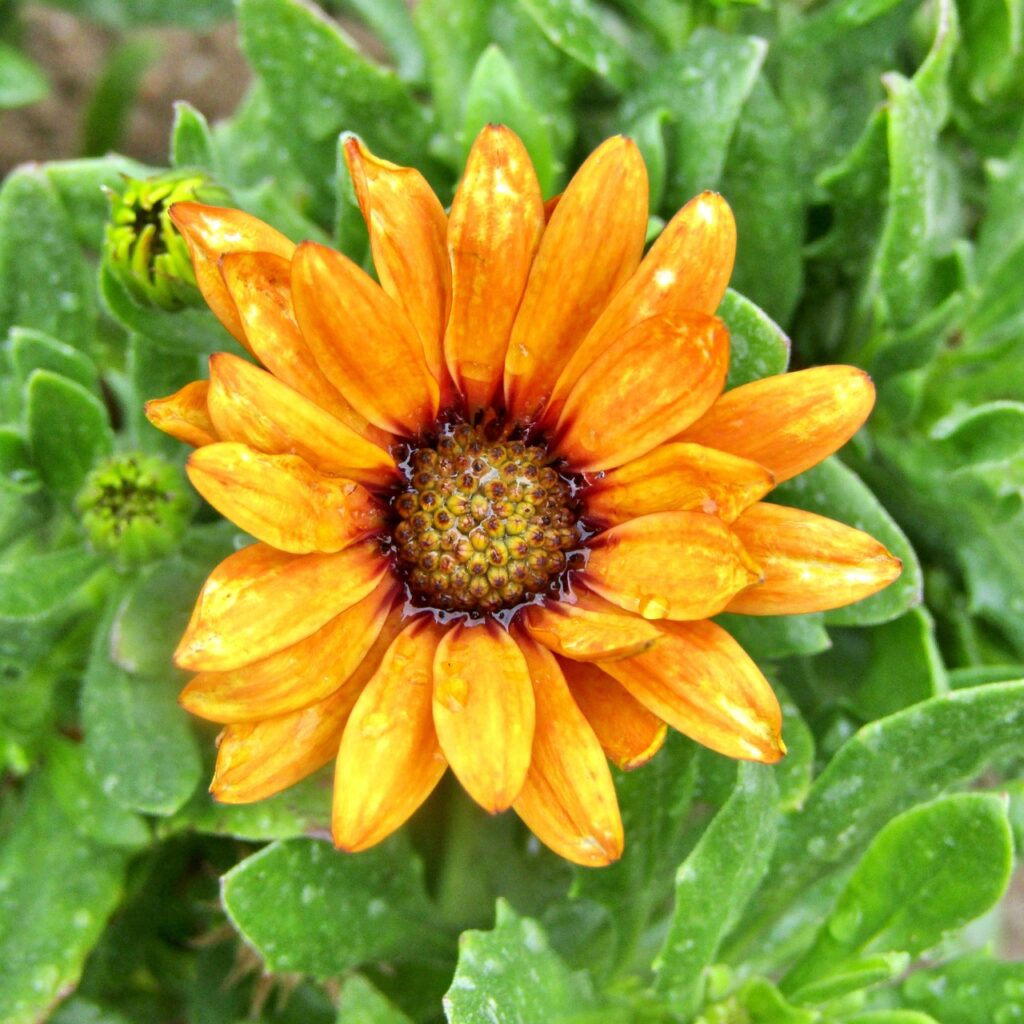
(873, 154)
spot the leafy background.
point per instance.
(874, 155)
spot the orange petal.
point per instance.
(247, 404)
(184, 414)
(281, 500)
(483, 711)
(298, 676)
(408, 231)
(628, 732)
(810, 563)
(493, 232)
(389, 760)
(686, 270)
(212, 231)
(789, 422)
(568, 800)
(701, 682)
(259, 601)
(677, 478)
(572, 277)
(584, 634)
(260, 285)
(669, 565)
(363, 341)
(657, 378)
(258, 759)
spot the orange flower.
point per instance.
(497, 498)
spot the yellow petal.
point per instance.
(282, 501)
(212, 231)
(810, 563)
(389, 760)
(363, 341)
(483, 711)
(789, 422)
(677, 478)
(686, 270)
(298, 676)
(658, 377)
(258, 759)
(628, 732)
(260, 286)
(701, 682)
(185, 414)
(568, 800)
(584, 634)
(259, 601)
(669, 565)
(494, 229)
(573, 278)
(248, 405)
(408, 232)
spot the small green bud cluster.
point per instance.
(143, 248)
(135, 508)
(482, 525)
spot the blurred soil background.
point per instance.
(208, 70)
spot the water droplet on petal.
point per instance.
(653, 607)
(452, 692)
(375, 724)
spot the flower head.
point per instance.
(142, 247)
(497, 497)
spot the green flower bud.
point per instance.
(143, 247)
(135, 508)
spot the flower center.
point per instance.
(482, 524)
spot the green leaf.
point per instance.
(155, 372)
(454, 33)
(391, 20)
(510, 975)
(984, 435)
(714, 883)
(705, 85)
(33, 350)
(301, 810)
(495, 96)
(765, 637)
(17, 474)
(795, 772)
(37, 584)
(153, 615)
(43, 279)
(21, 81)
(929, 871)
(852, 977)
(57, 889)
(93, 813)
(318, 85)
(192, 143)
(832, 490)
(138, 743)
(885, 768)
(582, 31)
(903, 263)
(68, 431)
(195, 332)
(890, 1017)
(304, 906)
(116, 90)
(83, 186)
(360, 1003)
(968, 990)
(760, 180)
(653, 801)
(648, 132)
(932, 76)
(758, 347)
